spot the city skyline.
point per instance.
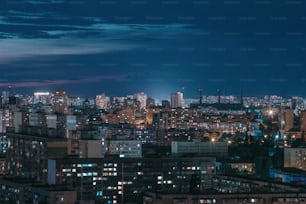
(158, 47)
(152, 101)
(10, 90)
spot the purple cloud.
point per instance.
(94, 79)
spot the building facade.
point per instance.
(295, 158)
(216, 149)
(177, 100)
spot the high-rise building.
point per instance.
(142, 98)
(165, 104)
(5, 97)
(60, 101)
(102, 101)
(286, 119)
(295, 158)
(150, 102)
(177, 100)
(33, 152)
(303, 121)
(42, 97)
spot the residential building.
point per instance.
(177, 100)
(295, 157)
(216, 149)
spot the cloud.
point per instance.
(73, 39)
(52, 22)
(26, 15)
(15, 49)
(93, 79)
(38, 2)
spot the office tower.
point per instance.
(177, 100)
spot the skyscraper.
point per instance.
(177, 100)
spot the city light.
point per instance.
(152, 101)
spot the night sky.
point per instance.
(121, 47)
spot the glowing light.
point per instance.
(41, 93)
(271, 112)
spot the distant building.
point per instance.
(91, 149)
(60, 102)
(243, 167)
(259, 198)
(86, 143)
(217, 149)
(102, 101)
(42, 97)
(150, 102)
(5, 97)
(286, 119)
(288, 175)
(70, 124)
(2, 166)
(125, 148)
(177, 100)
(165, 104)
(303, 121)
(18, 121)
(295, 157)
(19, 191)
(142, 98)
(44, 124)
(7, 119)
(52, 121)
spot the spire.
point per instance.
(241, 97)
(219, 96)
(201, 95)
